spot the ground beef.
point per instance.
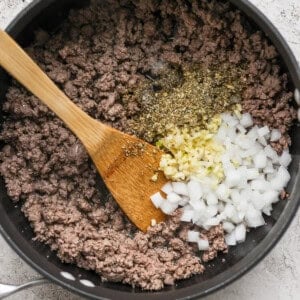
(96, 57)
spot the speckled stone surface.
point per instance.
(277, 277)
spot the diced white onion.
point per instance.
(260, 185)
(198, 205)
(283, 175)
(246, 120)
(211, 199)
(233, 178)
(167, 188)
(285, 158)
(271, 153)
(194, 190)
(263, 131)
(254, 217)
(193, 236)
(167, 207)
(254, 176)
(260, 160)
(180, 188)
(229, 210)
(157, 199)
(262, 140)
(252, 173)
(240, 233)
(187, 215)
(212, 222)
(228, 227)
(230, 239)
(275, 135)
(258, 201)
(267, 210)
(297, 96)
(241, 129)
(212, 210)
(270, 197)
(203, 245)
(184, 200)
(173, 197)
(222, 192)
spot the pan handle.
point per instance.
(9, 289)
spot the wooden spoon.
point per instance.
(125, 163)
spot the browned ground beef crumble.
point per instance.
(97, 56)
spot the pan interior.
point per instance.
(16, 227)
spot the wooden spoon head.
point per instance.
(127, 166)
(125, 163)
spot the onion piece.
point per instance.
(267, 210)
(246, 120)
(263, 131)
(212, 210)
(229, 210)
(260, 185)
(258, 200)
(271, 153)
(173, 197)
(157, 199)
(228, 227)
(240, 233)
(230, 239)
(270, 197)
(203, 244)
(254, 217)
(167, 207)
(233, 178)
(194, 190)
(187, 215)
(167, 188)
(211, 222)
(252, 173)
(184, 200)
(198, 205)
(211, 199)
(285, 158)
(260, 160)
(180, 188)
(275, 135)
(223, 192)
(193, 236)
(283, 176)
(297, 96)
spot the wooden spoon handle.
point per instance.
(18, 63)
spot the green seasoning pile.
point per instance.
(187, 97)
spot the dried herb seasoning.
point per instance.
(187, 97)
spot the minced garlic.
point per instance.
(192, 153)
(154, 178)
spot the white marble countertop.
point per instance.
(277, 277)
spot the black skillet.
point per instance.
(17, 232)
